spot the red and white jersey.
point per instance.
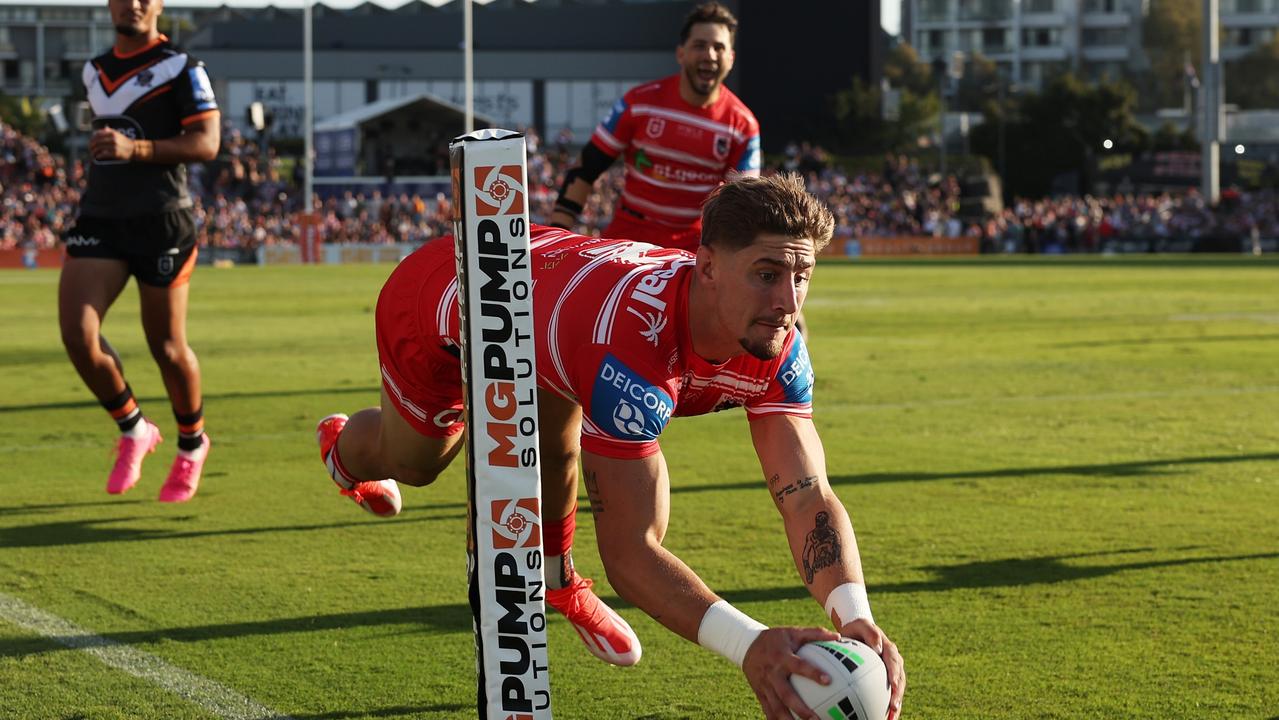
(611, 322)
(676, 153)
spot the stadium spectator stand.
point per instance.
(244, 201)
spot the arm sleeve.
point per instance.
(790, 386)
(195, 93)
(594, 162)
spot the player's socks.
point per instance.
(126, 413)
(557, 537)
(380, 497)
(190, 432)
(606, 634)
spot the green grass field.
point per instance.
(1062, 474)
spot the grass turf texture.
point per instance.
(1062, 475)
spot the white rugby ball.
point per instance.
(858, 688)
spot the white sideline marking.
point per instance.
(218, 699)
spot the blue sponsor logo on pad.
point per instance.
(796, 373)
(625, 405)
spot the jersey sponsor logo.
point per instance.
(651, 285)
(688, 175)
(201, 88)
(122, 124)
(627, 406)
(796, 373)
(501, 190)
(642, 162)
(721, 147)
(654, 324)
(82, 241)
(750, 158)
(516, 524)
(655, 127)
(647, 292)
(614, 114)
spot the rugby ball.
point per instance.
(858, 688)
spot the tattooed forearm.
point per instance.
(790, 489)
(821, 547)
(593, 492)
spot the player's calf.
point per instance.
(380, 497)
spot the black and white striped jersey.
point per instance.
(148, 94)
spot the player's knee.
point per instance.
(170, 352)
(558, 462)
(415, 476)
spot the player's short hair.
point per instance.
(739, 211)
(711, 12)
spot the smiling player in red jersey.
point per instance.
(679, 137)
(631, 335)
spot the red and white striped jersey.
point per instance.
(676, 153)
(611, 322)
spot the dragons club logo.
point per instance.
(516, 523)
(500, 190)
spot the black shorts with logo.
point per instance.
(159, 249)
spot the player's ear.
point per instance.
(707, 263)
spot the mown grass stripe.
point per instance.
(218, 699)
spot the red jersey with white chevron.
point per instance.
(611, 322)
(676, 153)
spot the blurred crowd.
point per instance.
(249, 196)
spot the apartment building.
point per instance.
(43, 46)
(1032, 40)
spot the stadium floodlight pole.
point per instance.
(307, 119)
(468, 64)
(1210, 86)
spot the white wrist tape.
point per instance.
(849, 601)
(728, 631)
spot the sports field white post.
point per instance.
(504, 545)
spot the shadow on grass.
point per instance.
(81, 532)
(91, 403)
(391, 712)
(1134, 468)
(1009, 572)
(430, 620)
(456, 617)
(55, 507)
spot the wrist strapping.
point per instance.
(849, 602)
(728, 631)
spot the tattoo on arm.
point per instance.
(593, 492)
(821, 547)
(791, 488)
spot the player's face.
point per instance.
(706, 57)
(134, 17)
(761, 288)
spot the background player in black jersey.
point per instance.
(154, 110)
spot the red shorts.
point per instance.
(421, 372)
(627, 225)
